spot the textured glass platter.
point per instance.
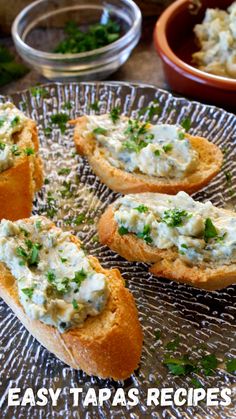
(204, 321)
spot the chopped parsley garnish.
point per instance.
(151, 110)
(179, 366)
(115, 114)
(184, 246)
(75, 304)
(174, 217)
(37, 91)
(95, 106)
(60, 119)
(141, 208)
(186, 123)
(51, 276)
(79, 219)
(167, 148)
(138, 136)
(2, 121)
(64, 260)
(9, 69)
(38, 224)
(31, 254)
(173, 344)
(210, 231)
(123, 230)
(181, 135)
(64, 171)
(2, 146)
(157, 334)
(15, 121)
(96, 36)
(66, 192)
(46, 181)
(15, 150)
(157, 153)
(145, 235)
(29, 151)
(209, 363)
(24, 231)
(100, 131)
(79, 277)
(231, 365)
(67, 105)
(28, 291)
(196, 383)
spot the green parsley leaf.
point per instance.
(15, 150)
(21, 252)
(15, 121)
(196, 383)
(37, 91)
(181, 135)
(174, 217)
(2, 146)
(210, 231)
(179, 366)
(51, 276)
(231, 365)
(186, 123)
(209, 363)
(2, 121)
(115, 114)
(157, 153)
(100, 131)
(141, 208)
(167, 148)
(64, 171)
(46, 181)
(38, 224)
(95, 106)
(184, 246)
(75, 304)
(145, 235)
(157, 334)
(79, 219)
(28, 291)
(123, 230)
(173, 344)
(79, 277)
(60, 119)
(64, 260)
(29, 151)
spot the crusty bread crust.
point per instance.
(108, 345)
(19, 183)
(165, 263)
(210, 157)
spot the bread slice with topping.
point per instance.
(182, 239)
(131, 156)
(79, 311)
(21, 172)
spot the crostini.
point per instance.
(76, 309)
(131, 156)
(21, 173)
(184, 240)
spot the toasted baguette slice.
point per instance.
(19, 183)
(122, 181)
(108, 345)
(165, 263)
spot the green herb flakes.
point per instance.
(167, 148)
(186, 123)
(75, 304)
(210, 231)
(175, 217)
(115, 114)
(28, 291)
(141, 208)
(60, 119)
(100, 131)
(123, 230)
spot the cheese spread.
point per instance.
(200, 232)
(11, 121)
(56, 282)
(156, 150)
(216, 36)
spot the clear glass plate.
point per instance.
(204, 321)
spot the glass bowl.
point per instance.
(39, 28)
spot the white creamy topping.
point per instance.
(200, 232)
(158, 150)
(216, 36)
(56, 282)
(11, 120)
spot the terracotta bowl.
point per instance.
(175, 43)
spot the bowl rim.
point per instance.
(170, 57)
(59, 56)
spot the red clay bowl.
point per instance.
(175, 43)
